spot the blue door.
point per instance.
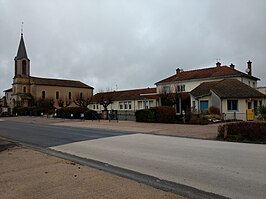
(204, 104)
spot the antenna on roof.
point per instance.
(22, 23)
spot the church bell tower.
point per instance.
(22, 62)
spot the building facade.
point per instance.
(183, 82)
(27, 89)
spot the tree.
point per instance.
(45, 105)
(79, 101)
(168, 99)
(105, 98)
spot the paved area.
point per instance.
(183, 130)
(235, 170)
(25, 173)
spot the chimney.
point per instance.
(218, 64)
(232, 66)
(177, 71)
(249, 69)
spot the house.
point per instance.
(178, 86)
(232, 97)
(27, 89)
(126, 102)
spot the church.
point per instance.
(27, 89)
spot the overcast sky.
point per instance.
(128, 44)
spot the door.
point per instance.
(204, 104)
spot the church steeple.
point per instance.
(22, 62)
(21, 49)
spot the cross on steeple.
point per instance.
(22, 23)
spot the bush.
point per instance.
(214, 110)
(91, 115)
(67, 111)
(198, 119)
(243, 131)
(145, 115)
(262, 111)
(164, 114)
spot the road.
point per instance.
(229, 169)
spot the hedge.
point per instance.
(162, 114)
(165, 114)
(243, 132)
(145, 115)
(67, 112)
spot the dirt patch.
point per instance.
(25, 173)
(4, 145)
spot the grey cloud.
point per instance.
(131, 43)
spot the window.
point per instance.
(69, 95)
(166, 89)
(57, 95)
(80, 95)
(140, 106)
(120, 105)
(97, 106)
(232, 105)
(16, 67)
(24, 67)
(180, 88)
(254, 85)
(43, 94)
(94, 106)
(193, 104)
(125, 105)
(129, 105)
(24, 89)
(150, 103)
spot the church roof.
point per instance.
(58, 82)
(21, 50)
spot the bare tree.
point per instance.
(105, 98)
(81, 102)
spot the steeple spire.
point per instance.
(21, 49)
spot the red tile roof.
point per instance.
(207, 73)
(136, 94)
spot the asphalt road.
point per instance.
(45, 135)
(230, 169)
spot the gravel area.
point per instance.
(25, 173)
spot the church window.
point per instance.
(43, 94)
(57, 95)
(69, 95)
(16, 67)
(24, 89)
(23, 67)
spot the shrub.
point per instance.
(214, 110)
(164, 114)
(262, 111)
(145, 115)
(198, 119)
(90, 114)
(67, 111)
(243, 131)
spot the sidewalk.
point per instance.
(182, 130)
